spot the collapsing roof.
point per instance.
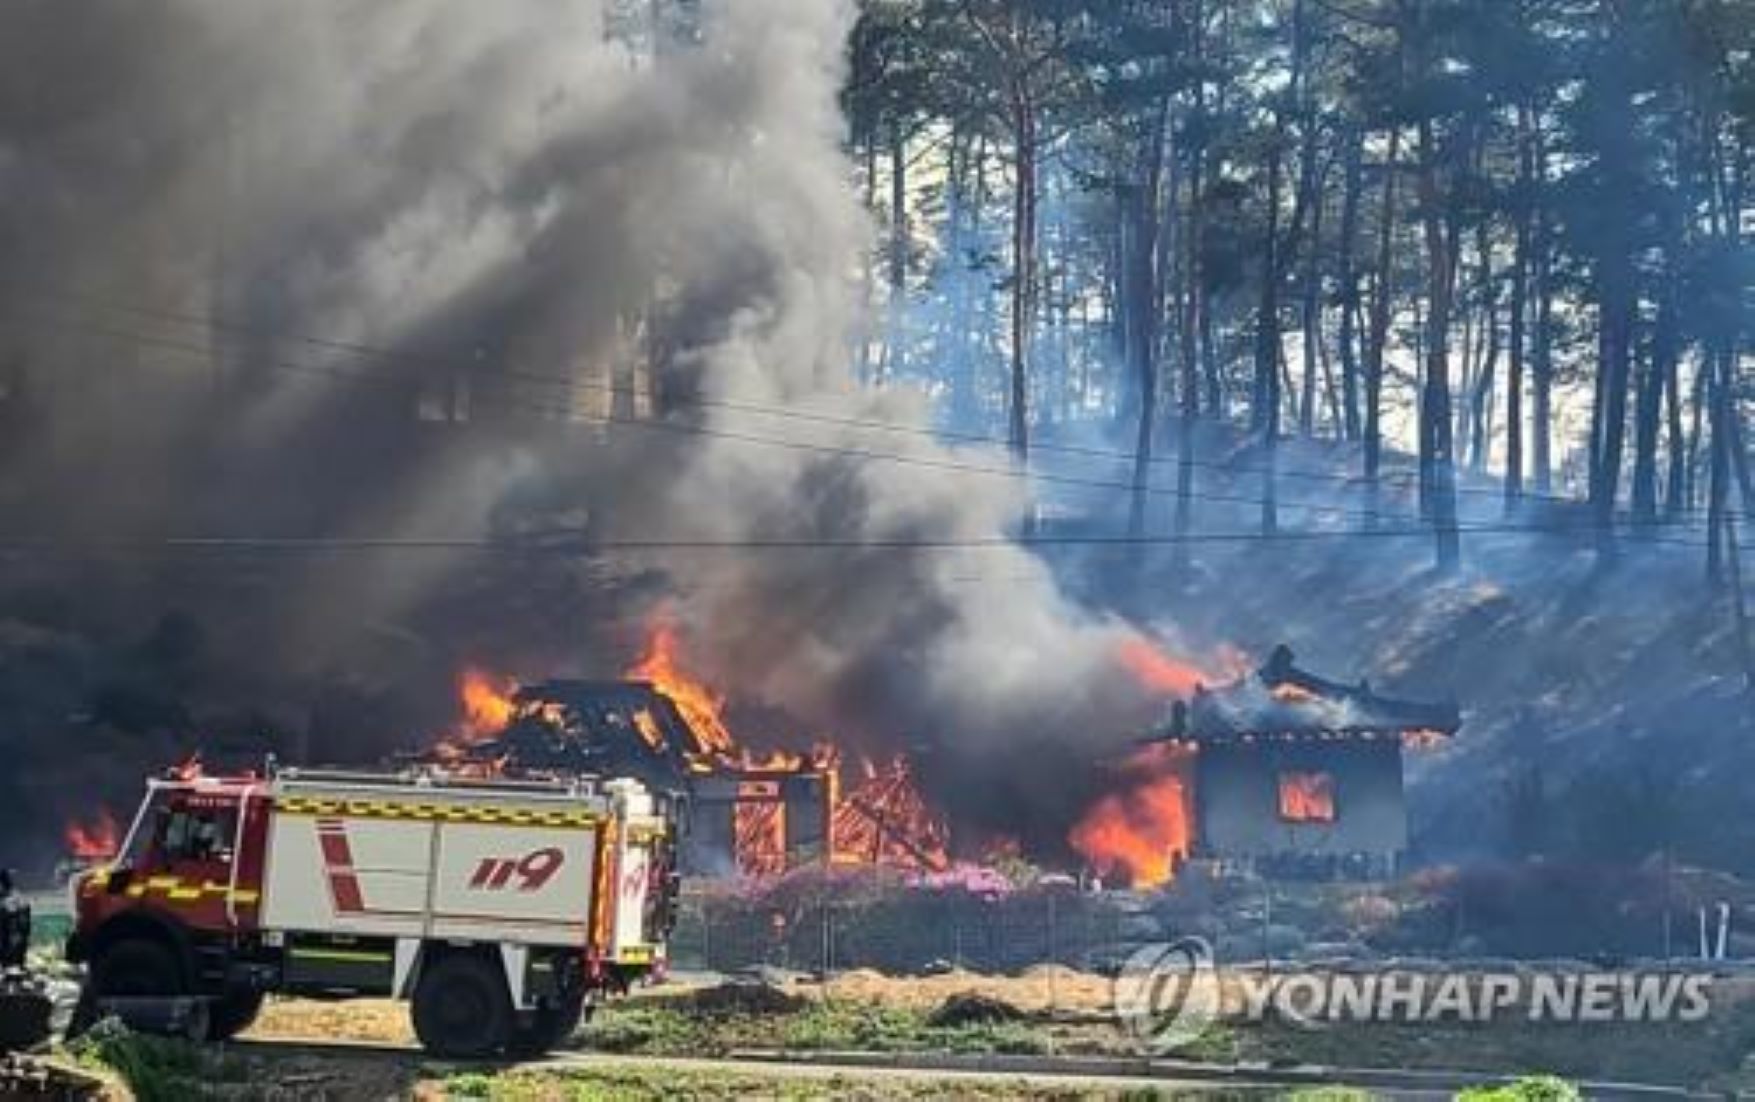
(592, 727)
(1282, 701)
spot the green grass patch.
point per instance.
(1687, 1054)
(156, 1069)
(657, 1082)
(678, 1030)
(1707, 1053)
(656, 1029)
(1534, 1088)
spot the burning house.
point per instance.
(752, 813)
(1294, 774)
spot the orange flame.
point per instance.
(759, 829)
(1158, 672)
(1290, 693)
(1307, 798)
(883, 819)
(701, 706)
(1141, 831)
(648, 728)
(97, 840)
(486, 701)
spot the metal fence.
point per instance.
(920, 931)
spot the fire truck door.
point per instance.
(191, 858)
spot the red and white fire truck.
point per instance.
(499, 908)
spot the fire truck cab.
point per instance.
(499, 909)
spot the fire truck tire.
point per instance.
(547, 1029)
(461, 1009)
(137, 966)
(232, 1013)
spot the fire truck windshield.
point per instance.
(189, 832)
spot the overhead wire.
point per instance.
(573, 413)
(575, 385)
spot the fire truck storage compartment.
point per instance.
(340, 965)
(437, 864)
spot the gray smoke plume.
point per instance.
(470, 205)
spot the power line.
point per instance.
(584, 545)
(701, 430)
(573, 385)
(337, 374)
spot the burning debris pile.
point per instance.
(763, 810)
(756, 812)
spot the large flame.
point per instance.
(1156, 670)
(1159, 672)
(1141, 831)
(97, 840)
(485, 699)
(878, 815)
(759, 830)
(883, 819)
(701, 706)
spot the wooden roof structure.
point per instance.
(1281, 701)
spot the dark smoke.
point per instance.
(477, 195)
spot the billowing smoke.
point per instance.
(256, 256)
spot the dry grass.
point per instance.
(1041, 988)
(380, 1021)
(1038, 990)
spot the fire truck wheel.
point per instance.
(547, 1029)
(136, 966)
(232, 1013)
(462, 1010)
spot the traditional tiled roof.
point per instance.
(1280, 701)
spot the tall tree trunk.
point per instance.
(971, 310)
(1719, 478)
(1266, 410)
(1486, 376)
(1615, 338)
(1310, 318)
(1739, 451)
(1216, 406)
(1377, 339)
(1520, 282)
(1145, 279)
(1305, 229)
(1542, 353)
(1706, 363)
(1348, 277)
(1194, 307)
(1441, 275)
(895, 357)
(1676, 499)
(1648, 415)
(1024, 269)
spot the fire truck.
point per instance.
(500, 909)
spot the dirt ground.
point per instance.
(1039, 989)
(1042, 988)
(379, 1021)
